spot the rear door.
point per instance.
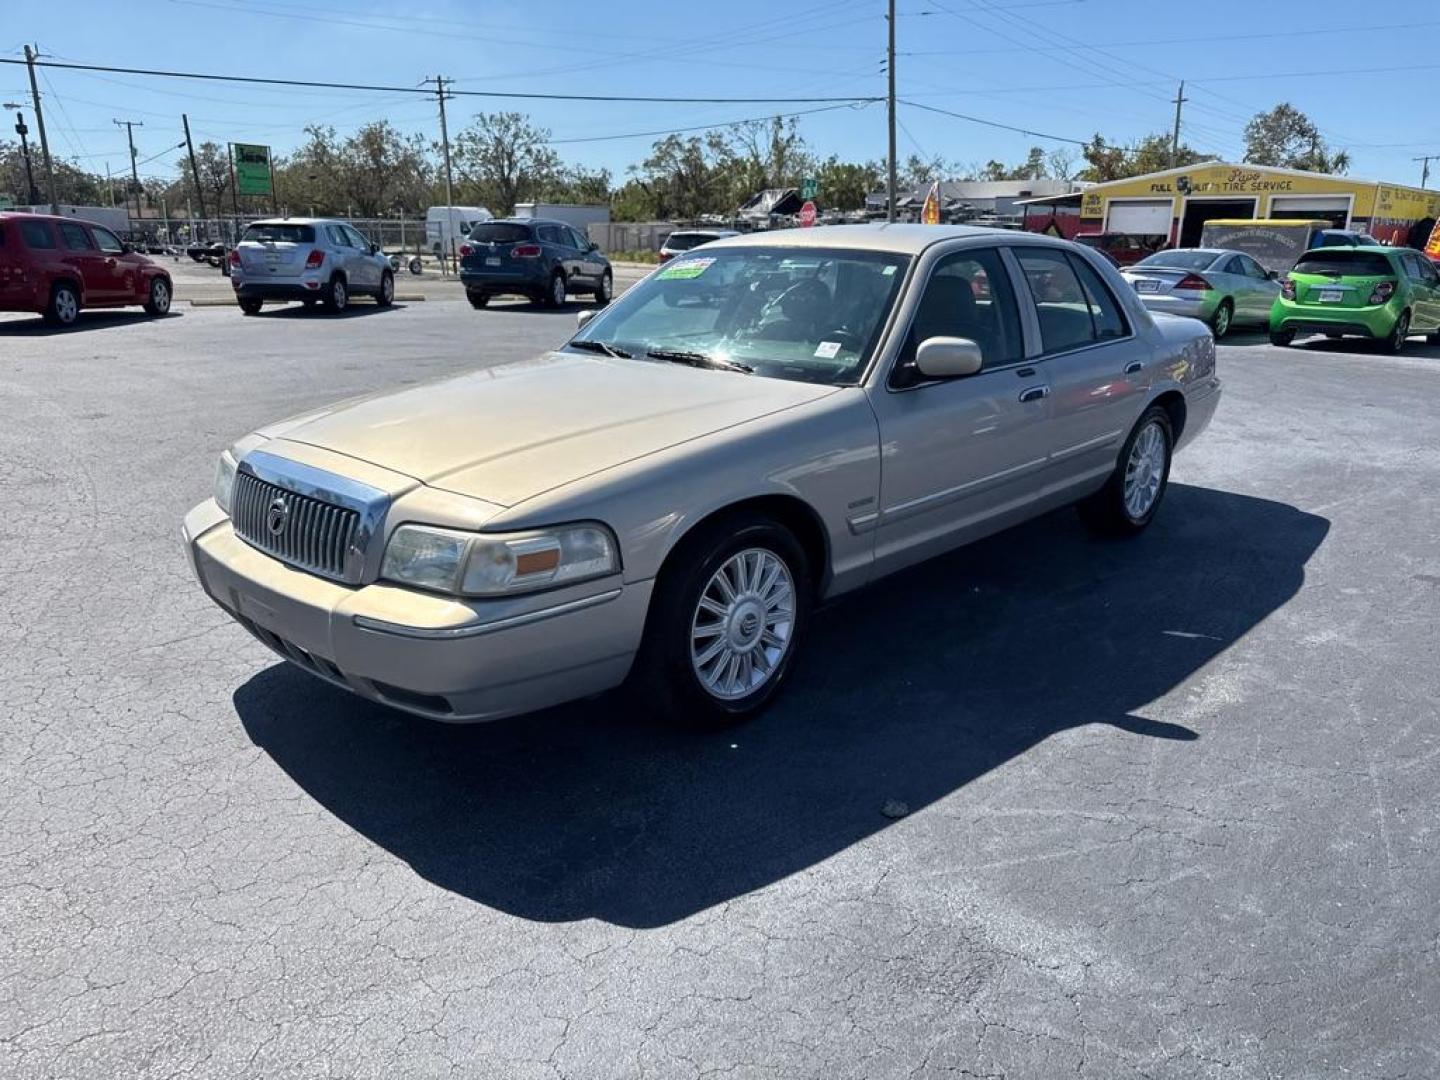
(368, 265)
(345, 254)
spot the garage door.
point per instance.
(1332, 208)
(1145, 217)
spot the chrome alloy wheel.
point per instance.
(743, 624)
(1144, 470)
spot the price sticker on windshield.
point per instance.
(684, 271)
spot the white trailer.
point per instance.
(577, 214)
(446, 226)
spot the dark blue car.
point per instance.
(535, 257)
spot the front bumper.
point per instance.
(436, 656)
(1374, 321)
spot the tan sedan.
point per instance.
(751, 430)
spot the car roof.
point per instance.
(903, 239)
(299, 221)
(1217, 252)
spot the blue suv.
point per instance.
(534, 257)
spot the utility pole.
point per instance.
(32, 195)
(129, 126)
(30, 55)
(890, 158)
(1180, 100)
(441, 97)
(1424, 167)
(194, 169)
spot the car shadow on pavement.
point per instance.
(906, 692)
(358, 309)
(87, 320)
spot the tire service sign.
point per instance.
(252, 169)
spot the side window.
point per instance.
(74, 237)
(357, 241)
(1253, 269)
(969, 295)
(551, 235)
(37, 235)
(1071, 315)
(582, 242)
(108, 241)
(1428, 273)
(337, 236)
(1233, 265)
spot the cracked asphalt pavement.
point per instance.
(1171, 802)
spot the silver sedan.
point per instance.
(668, 496)
(1219, 287)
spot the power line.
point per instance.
(697, 127)
(1005, 127)
(384, 89)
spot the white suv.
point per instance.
(313, 260)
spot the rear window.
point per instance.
(1347, 262)
(279, 234)
(1177, 260)
(37, 235)
(684, 241)
(491, 233)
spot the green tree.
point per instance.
(1287, 138)
(844, 184)
(1149, 154)
(503, 159)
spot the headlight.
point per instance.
(477, 564)
(224, 480)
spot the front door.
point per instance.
(1425, 283)
(1095, 364)
(96, 272)
(958, 453)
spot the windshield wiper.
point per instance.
(701, 360)
(601, 347)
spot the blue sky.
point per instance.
(1061, 67)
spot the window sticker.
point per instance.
(827, 350)
(684, 270)
(887, 271)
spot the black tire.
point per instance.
(386, 296)
(310, 301)
(664, 679)
(415, 266)
(478, 299)
(158, 302)
(1333, 336)
(1106, 512)
(64, 306)
(1282, 337)
(606, 292)
(250, 305)
(1221, 320)
(555, 292)
(337, 295)
(1433, 339)
(1394, 342)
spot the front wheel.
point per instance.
(726, 622)
(606, 291)
(1395, 342)
(386, 296)
(1128, 501)
(1220, 321)
(158, 303)
(1282, 337)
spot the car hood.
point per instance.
(505, 434)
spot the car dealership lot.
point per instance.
(1045, 806)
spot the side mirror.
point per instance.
(593, 246)
(948, 358)
(1273, 275)
(374, 249)
(582, 317)
(126, 248)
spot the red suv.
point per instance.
(58, 265)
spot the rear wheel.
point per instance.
(1396, 340)
(1282, 337)
(1220, 321)
(251, 305)
(1130, 498)
(337, 295)
(725, 623)
(158, 303)
(64, 306)
(310, 301)
(555, 297)
(386, 296)
(478, 299)
(606, 290)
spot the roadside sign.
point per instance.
(930, 213)
(1432, 246)
(809, 188)
(807, 215)
(252, 169)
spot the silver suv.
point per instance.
(313, 260)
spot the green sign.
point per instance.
(6, 200)
(252, 169)
(809, 188)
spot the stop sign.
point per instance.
(807, 215)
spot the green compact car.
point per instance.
(1382, 293)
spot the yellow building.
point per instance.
(1176, 203)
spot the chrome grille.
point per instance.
(312, 534)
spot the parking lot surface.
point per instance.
(1048, 806)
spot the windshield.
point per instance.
(279, 234)
(1178, 260)
(487, 233)
(804, 314)
(1343, 261)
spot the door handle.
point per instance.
(1034, 393)
(1133, 367)
(1025, 372)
